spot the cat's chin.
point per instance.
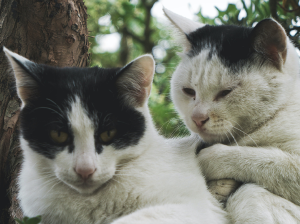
(88, 187)
(210, 137)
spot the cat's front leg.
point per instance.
(272, 168)
(217, 162)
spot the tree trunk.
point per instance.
(52, 32)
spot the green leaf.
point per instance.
(33, 220)
(19, 221)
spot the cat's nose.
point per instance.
(85, 171)
(85, 165)
(200, 119)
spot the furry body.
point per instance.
(135, 177)
(241, 87)
(159, 187)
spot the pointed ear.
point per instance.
(135, 79)
(183, 26)
(24, 72)
(269, 39)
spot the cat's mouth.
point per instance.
(208, 137)
(88, 186)
(212, 136)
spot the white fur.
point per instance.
(19, 72)
(157, 181)
(185, 25)
(12, 55)
(259, 120)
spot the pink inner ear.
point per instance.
(135, 82)
(273, 53)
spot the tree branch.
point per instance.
(148, 44)
(133, 36)
(273, 9)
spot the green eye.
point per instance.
(59, 137)
(107, 136)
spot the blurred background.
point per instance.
(121, 30)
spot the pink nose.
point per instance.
(200, 119)
(85, 172)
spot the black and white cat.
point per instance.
(241, 87)
(93, 156)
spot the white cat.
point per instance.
(92, 154)
(241, 87)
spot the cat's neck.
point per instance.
(151, 134)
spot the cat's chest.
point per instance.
(151, 180)
(122, 195)
(65, 206)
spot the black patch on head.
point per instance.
(231, 43)
(97, 90)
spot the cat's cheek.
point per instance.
(62, 166)
(181, 103)
(184, 106)
(105, 168)
(191, 125)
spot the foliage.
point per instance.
(285, 12)
(140, 33)
(26, 220)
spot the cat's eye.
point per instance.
(108, 136)
(189, 91)
(223, 93)
(59, 137)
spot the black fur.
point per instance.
(231, 43)
(96, 87)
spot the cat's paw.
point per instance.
(222, 189)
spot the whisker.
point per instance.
(242, 131)
(246, 135)
(56, 112)
(233, 138)
(236, 123)
(52, 187)
(239, 136)
(55, 105)
(228, 138)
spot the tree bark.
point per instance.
(52, 32)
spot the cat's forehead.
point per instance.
(208, 71)
(91, 85)
(77, 78)
(78, 117)
(61, 89)
(231, 43)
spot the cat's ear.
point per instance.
(183, 27)
(269, 39)
(25, 75)
(134, 81)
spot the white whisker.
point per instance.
(246, 135)
(233, 138)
